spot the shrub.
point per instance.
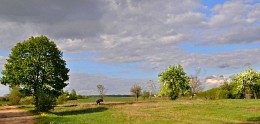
(224, 94)
(47, 101)
(27, 100)
(5, 98)
(61, 99)
(73, 95)
(15, 96)
(145, 94)
(210, 94)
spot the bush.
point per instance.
(61, 99)
(27, 100)
(210, 94)
(224, 94)
(73, 95)
(15, 96)
(5, 98)
(145, 94)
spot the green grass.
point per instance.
(155, 112)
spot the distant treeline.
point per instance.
(111, 96)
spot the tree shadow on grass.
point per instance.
(254, 119)
(82, 111)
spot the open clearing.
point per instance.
(13, 115)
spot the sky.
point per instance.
(120, 43)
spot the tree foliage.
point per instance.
(136, 90)
(242, 85)
(37, 65)
(174, 82)
(246, 82)
(222, 92)
(73, 95)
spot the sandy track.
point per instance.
(13, 115)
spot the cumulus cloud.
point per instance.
(132, 31)
(234, 22)
(214, 81)
(227, 60)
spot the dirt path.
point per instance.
(13, 115)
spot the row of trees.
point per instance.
(36, 67)
(175, 82)
(150, 91)
(243, 85)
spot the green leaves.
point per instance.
(246, 82)
(174, 82)
(36, 64)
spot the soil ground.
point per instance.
(13, 115)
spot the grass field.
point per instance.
(116, 110)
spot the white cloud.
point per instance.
(2, 61)
(134, 31)
(234, 22)
(87, 84)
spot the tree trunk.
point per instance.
(36, 97)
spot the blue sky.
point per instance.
(121, 43)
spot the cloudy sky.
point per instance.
(119, 43)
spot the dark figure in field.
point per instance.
(98, 101)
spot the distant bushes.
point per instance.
(28, 100)
(225, 91)
(5, 98)
(145, 94)
(15, 96)
(61, 99)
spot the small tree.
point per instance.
(174, 82)
(101, 90)
(151, 88)
(136, 91)
(195, 83)
(73, 95)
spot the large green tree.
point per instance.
(37, 66)
(174, 82)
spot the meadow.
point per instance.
(154, 111)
